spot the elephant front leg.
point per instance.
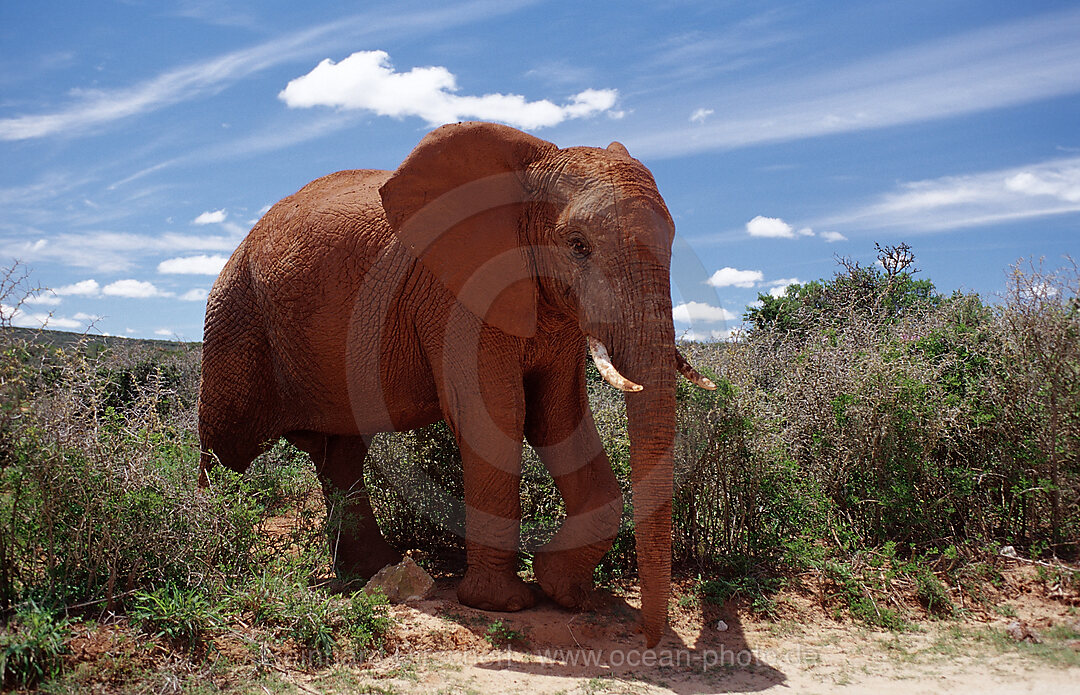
(561, 429)
(488, 430)
(492, 534)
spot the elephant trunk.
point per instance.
(647, 355)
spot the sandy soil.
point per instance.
(441, 646)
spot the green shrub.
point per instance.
(367, 621)
(932, 594)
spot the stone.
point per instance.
(1020, 632)
(405, 581)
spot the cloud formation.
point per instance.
(988, 68)
(111, 252)
(732, 277)
(367, 80)
(694, 312)
(43, 297)
(133, 289)
(779, 287)
(699, 115)
(23, 319)
(94, 108)
(1035, 190)
(83, 288)
(775, 227)
(699, 336)
(193, 265)
(211, 217)
(196, 295)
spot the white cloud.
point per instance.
(1062, 184)
(195, 295)
(83, 288)
(211, 217)
(805, 231)
(779, 287)
(697, 336)
(83, 316)
(193, 265)
(699, 115)
(133, 289)
(44, 297)
(953, 202)
(691, 312)
(731, 277)
(994, 66)
(47, 321)
(833, 236)
(24, 319)
(100, 107)
(164, 332)
(770, 227)
(112, 252)
(367, 80)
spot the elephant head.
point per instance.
(528, 236)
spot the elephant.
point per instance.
(468, 285)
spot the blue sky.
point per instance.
(141, 139)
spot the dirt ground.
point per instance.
(441, 647)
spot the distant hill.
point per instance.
(68, 338)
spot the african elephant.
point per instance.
(463, 286)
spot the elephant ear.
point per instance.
(456, 202)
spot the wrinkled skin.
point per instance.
(461, 287)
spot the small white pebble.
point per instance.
(721, 626)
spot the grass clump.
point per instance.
(183, 616)
(367, 621)
(32, 645)
(498, 634)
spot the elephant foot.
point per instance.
(494, 592)
(565, 581)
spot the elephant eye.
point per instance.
(579, 245)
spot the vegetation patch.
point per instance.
(872, 443)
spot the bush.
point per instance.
(367, 622)
(862, 423)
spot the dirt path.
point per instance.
(443, 647)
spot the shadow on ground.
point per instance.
(550, 641)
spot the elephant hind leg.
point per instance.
(356, 544)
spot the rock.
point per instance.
(1008, 551)
(405, 581)
(721, 626)
(1020, 632)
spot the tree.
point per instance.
(885, 292)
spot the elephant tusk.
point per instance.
(693, 375)
(607, 369)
